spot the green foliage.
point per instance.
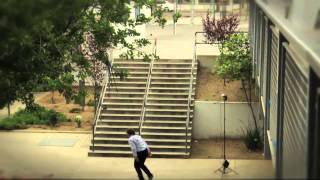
(65, 86)
(78, 120)
(176, 17)
(75, 110)
(38, 116)
(252, 139)
(43, 38)
(90, 102)
(234, 62)
(81, 96)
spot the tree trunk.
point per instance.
(8, 106)
(249, 103)
(52, 97)
(82, 92)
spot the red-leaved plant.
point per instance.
(217, 30)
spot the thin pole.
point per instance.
(175, 12)
(224, 129)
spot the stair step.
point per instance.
(158, 104)
(129, 82)
(118, 87)
(132, 67)
(164, 134)
(123, 109)
(129, 153)
(171, 63)
(172, 78)
(169, 88)
(168, 93)
(171, 68)
(117, 126)
(123, 98)
(146, 139)
(129, 62)
(128, 93)
(119, 121)
(169, 110)
(138, 72)
(172, 83)
(119, 115)
(150, 146)
(164, 122)
(130, 77)
(166, 115)
(170, 73)
(161, 127)
(124, 104)
(168, 99)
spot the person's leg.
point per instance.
(139, 172)
(142, 158)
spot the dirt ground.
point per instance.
(213, 149)
(61, 106)
(210, 87)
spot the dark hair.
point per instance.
(130, 132)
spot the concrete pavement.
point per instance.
(23, 156)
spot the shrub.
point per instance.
(90, 102)
(78, 120)
(75, 110)
(252, 139)
(38, 116)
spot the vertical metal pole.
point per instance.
(192, 11)
(213, 8)
(224, 128)
(175, 12)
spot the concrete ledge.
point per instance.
(46, 131)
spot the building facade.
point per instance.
(285, 42)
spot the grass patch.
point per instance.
(39, 116)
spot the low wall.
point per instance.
(208, 119)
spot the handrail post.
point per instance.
(143, 108)
(102, 93)
(190, 91)
(146, 92)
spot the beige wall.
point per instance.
(208, 120)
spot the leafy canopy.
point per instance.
(44, 38)
(234, 61)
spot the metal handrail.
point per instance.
(189, 95)
(99, 107)
(146, 92)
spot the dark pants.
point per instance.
(142, 156)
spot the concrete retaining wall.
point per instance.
(208, 120)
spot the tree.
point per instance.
(52, 85)
(234, 63)
(7, 92)
(65, 87)
(217, 30)
(43, 38)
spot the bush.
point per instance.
(75, 110)
(252, 139)
(38, 116)
(90, 102)
(78, 120)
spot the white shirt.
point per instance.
(137, 144)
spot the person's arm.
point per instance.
(133, 149)
(149, 152)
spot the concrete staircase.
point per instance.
(154, 104)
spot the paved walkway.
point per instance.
(24, 155)
(180, 45)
